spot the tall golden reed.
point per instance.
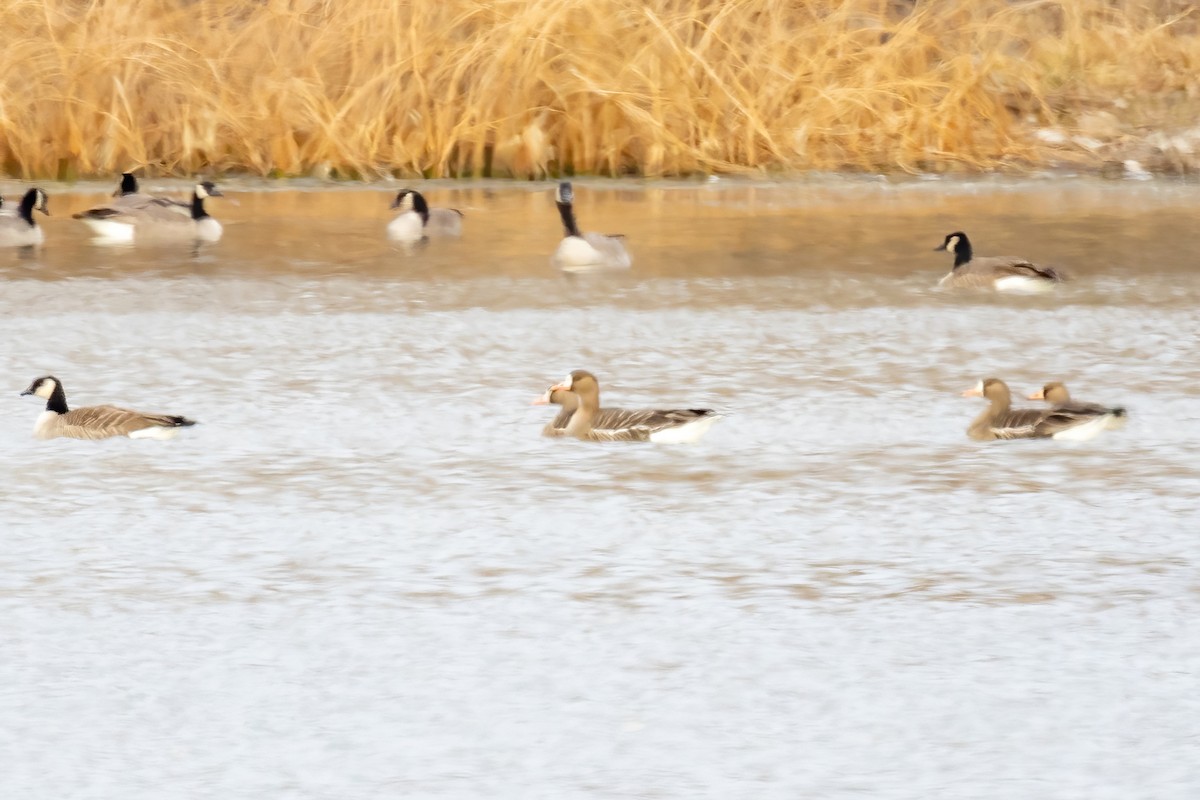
(530, 87)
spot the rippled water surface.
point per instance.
(366, 574)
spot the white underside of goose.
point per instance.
(1088, 430)
(154, 432)
(591, 251)
(406, 227)
(111, 229)
(684, 434)
(21, 235)
(1019, 284)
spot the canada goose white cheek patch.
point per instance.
(952, 243)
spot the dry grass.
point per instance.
(529, 87)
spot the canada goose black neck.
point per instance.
(129, 184)
(33, 199)
(960, 245)
(203, 190)
(566, 210)
(57, 401)
(412, 200)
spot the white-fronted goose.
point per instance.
(1002, 273)
(96, 422)
(1001, 421)
(1055, 393)
(663, 427)
(583, 251)
(20, 229)
(126, 221)
(604, 419)
(417, 220)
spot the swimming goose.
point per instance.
(129, 195)
(1055, 393)
(154, 220)
(581, 251)
(664, 427)
(96, 422)
(1001, 421)
(21, 229)
(605, 418)
(1002, 273)
(417, 220)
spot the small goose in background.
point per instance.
(1001, 421)
(581, 251)
(1055, 393)
(20, 229)
(417, 220)
(123, 223)
(1002, 273)
(129, 195)
(96, 422)
(662, 427)
(606, 418)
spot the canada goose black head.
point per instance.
(34, 199)
(48, 388)
(960, 245)
(203, 190)
(412, 200)
(565, 195)
(129, 185)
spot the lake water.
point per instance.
(365, 574)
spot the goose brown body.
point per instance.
(96, 422)
(628, 425)
(1002, 273)
(1056, 394)
(1001, 421)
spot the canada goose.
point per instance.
(96, 422)
(1002, 273)
(663, 427)
(20, 229)
(581, 251)
(1001, 421)
(129, 195)
(154, 220)
(1055, 393)
(606, 418)
(417, 220)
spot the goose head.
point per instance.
(958, 244)
(129, 185)
(992, 389)
(43, 387)
(207, 189)
(582, 383)
(1054, 392)
(558, 396)
(34, 200)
